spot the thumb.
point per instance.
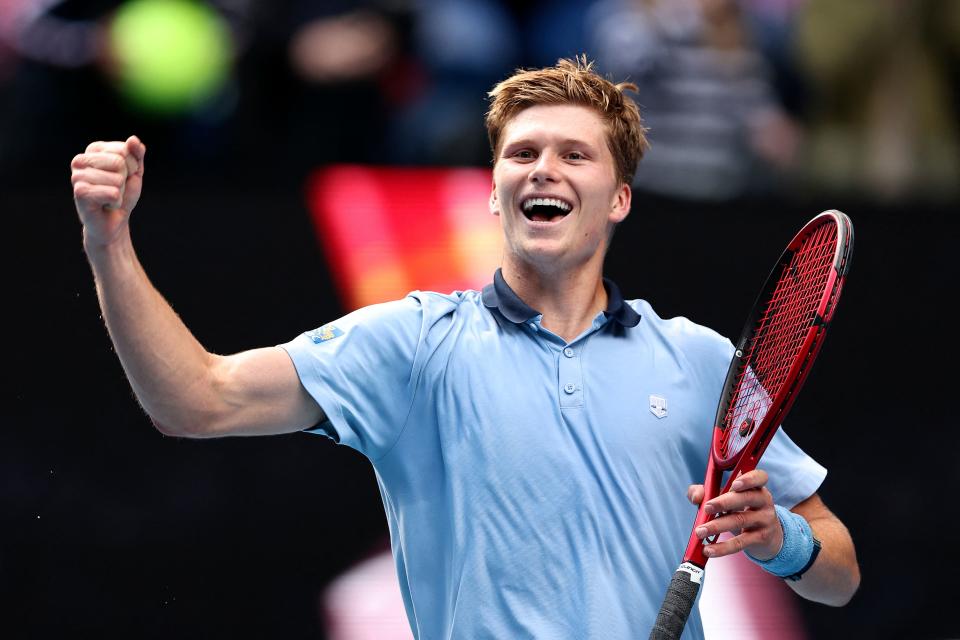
(137, 151)
(134, 182)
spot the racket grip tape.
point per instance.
(677, 603)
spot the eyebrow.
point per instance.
(566, 142)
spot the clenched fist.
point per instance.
(107, 179)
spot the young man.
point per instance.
(529, 489)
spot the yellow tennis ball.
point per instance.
(172, 55)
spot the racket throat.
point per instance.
(711, 489)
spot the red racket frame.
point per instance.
(748, 457)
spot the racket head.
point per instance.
(781, 338)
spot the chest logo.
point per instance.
(658, 406)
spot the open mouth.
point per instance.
(545, 209)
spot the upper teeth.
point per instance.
(530, 203)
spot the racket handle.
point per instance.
(677, 604)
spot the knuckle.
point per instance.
(766, 535)
(740, 518)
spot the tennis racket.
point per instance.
(780, 341)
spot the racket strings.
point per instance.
(779, 336)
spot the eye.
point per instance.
(576, 155)
(524, 154)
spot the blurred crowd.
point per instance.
(741, 97)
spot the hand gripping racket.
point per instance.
(779, 343)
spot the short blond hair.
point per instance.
(573, 82)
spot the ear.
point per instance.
(494, 202)
(620, 207)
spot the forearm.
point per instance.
(780, 542)
(168, 369)
(835, 575)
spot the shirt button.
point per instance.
(570, 387)
(568, 352)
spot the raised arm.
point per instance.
(186, 390)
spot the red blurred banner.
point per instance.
(387, 231)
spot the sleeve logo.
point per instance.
(324, 333)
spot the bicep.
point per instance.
(260, 394)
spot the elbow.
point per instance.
(852, 586)
(177, 429)
(842, 596)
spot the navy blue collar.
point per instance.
(500, 296)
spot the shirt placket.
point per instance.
(570, 376)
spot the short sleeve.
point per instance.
(794, 475)
(361, 370)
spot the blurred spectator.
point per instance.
(95, 69)
(345, 58)
(342, 47)
(41, 31)
(717, 129)
(884, 106)
(552, 29)
(464, 47)
(772, 27)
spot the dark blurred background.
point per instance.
(762, 114)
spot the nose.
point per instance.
(544, 169)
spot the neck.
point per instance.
(568, 300)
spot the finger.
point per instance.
(734, 523)
(112, 146)
(100, 160)
(739, 500)
(97, 177)
(750, 480)
(732, 545)
(695, 493)
(97, 195)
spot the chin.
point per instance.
(549, 256)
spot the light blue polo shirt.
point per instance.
(534, 488)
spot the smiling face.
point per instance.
(556, 190)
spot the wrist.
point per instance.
(798, 551)
(98, 248)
